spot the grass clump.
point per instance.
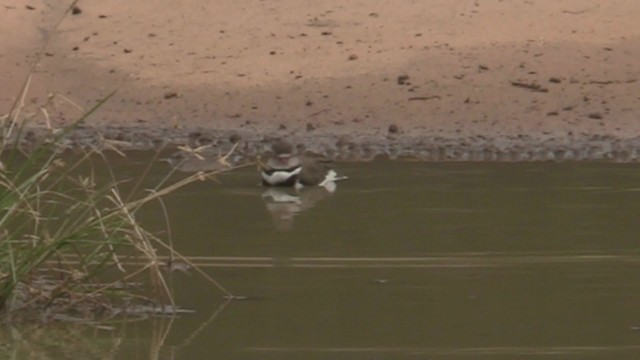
(70, 244)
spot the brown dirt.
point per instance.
(424, 78)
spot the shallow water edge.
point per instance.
(361, 147)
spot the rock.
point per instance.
(403, 79)
(343, 141)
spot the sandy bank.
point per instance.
(452, 78)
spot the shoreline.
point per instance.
(340, 147)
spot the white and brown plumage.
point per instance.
(285, 169)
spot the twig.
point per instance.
(319, 112)
(577, 12)
(223, 160)
(529, 86)
(424, 98)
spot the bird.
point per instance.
(286, 169)
(281, 169)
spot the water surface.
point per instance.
(405, 260)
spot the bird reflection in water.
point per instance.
(284, 204)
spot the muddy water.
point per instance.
(405, 260)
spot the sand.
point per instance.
(410, 76)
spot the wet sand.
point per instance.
(438, 80)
